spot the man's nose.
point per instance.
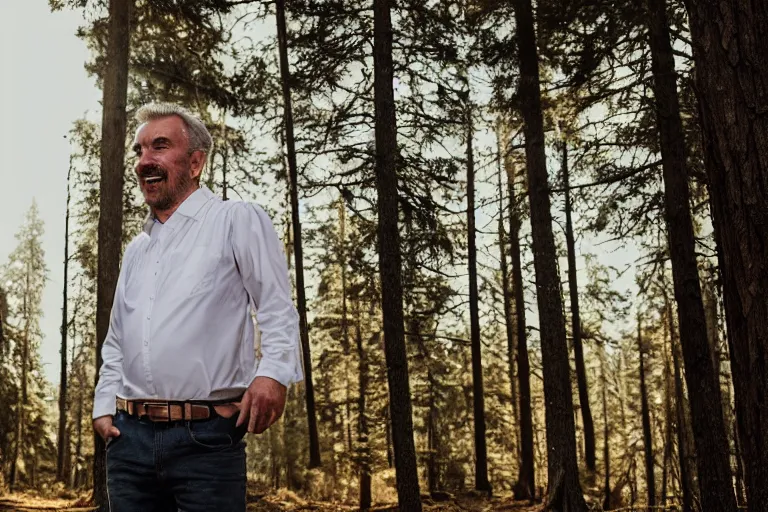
(145, 160)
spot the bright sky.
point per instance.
(43, 89)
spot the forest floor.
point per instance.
(279, 501)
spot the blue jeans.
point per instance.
(184, 465)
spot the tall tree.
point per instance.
(110, 228)
(709, 432)
(62, 442)
(25, 278)
(578, 350)
(362, 418)
(478, 399)
(686, 478)
(731, 77)
(606, 434)
(525, 486)
(564, 490)
(409, 498)
(506, 290)
(309, 389)
(650, 479)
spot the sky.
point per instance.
(43, 89)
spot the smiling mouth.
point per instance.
(153, 179)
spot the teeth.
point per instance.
(153, 179)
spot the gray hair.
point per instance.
(198, 135)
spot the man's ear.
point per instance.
(196, 163)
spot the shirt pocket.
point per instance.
(200, 267)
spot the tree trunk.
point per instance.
(578, 351)
(60, 457)
(110, 228)
(345, 344)
(481, 455)
(431, 443)
(709, 430)
(564, 492)
(79, 470)
(506, 290)
(668, 420)
(686, 479)
(647, 437)
(362, 420)
(409, 498)
(606, 436)
(525, 487)
(731, 77)
(741, 492)
(309, 390)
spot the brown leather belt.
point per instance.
(165, 410)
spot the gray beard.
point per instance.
(172, 196)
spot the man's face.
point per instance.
(165, 169)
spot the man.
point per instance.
(180, 383)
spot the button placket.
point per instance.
(149, 309)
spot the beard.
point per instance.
(169, 192)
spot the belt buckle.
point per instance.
(149, 406)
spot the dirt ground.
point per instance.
(281, 501)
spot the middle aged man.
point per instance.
(180, 383)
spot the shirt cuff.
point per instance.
(279, 372)
(104, 404)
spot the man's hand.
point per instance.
(262, 404)
(104, 427)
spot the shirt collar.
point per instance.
(190, 207)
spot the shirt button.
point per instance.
(147, 317)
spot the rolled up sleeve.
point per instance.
(262, 264)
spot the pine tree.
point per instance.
(564, 489)
(24, 277)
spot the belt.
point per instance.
(165, 410)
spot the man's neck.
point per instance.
(164, 215)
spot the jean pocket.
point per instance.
(215, 434)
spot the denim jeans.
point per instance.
(189, 466)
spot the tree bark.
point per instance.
(606, 436)
(362, 420)
(309, 390)
(668, 420)
(647, 437)
(506, 290)
(732, 86)
(525, 487)
(686, 479)
(478, 399)
(60, 457)
(110, 229)
(578, 350)
(390, 261)
(709, 431)
(564, 489)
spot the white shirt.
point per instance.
(181, 325)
